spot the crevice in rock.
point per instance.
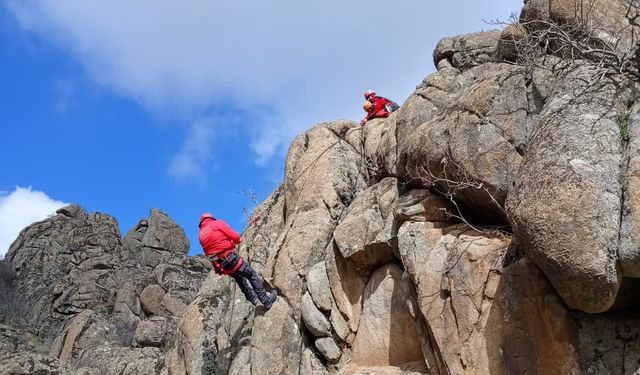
(513, 254)
(157, 248)
(625, 134)
(535, 103)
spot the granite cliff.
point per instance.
(489, 226)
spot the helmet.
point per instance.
(367, 106)
(205, 216)
(369, 93)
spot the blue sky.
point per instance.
(125, 106)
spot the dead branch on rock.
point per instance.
(247, 212)
(449, 183)
(374, 172)
(585, 38)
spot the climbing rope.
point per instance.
(287, 187)
(354, 188)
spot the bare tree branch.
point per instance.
(584, 38)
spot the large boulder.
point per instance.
(365, 234)
(565, 204)
(156, 332)
(318, 284)
(488, 310)
(472, 150)
(466, 51)
(313, 318)
(388, 333)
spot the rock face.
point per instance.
(473, 231)
(74, 290)
(488, 226)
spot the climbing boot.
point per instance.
(271, 298)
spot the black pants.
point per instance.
(250, 283)
(247, 279)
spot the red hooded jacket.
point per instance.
(216, 237)
(379, 109)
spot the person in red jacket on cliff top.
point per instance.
(379, 107)
(219, 242)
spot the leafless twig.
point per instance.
(249, 194)
(449, 183)
(585, 38)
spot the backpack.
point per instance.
(391, 106)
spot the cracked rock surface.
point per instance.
(488, 226)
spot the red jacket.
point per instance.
(216, 237)
(379, 109)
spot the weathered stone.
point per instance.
(379, 147)
(507, 48)
(387, 334)
(313, 319)
(32, 363)
(321, 177)
(467, 51)
(127, 311)
(310, 364)
(276, 326)
(607, 342)
(472, 151)
(364, 235)
(416, 368)
(318, 284)
(421, 205)
(347, 286)
(173, 304)
(485, 308)
(53, 279)
(156, 331)
(565, 204)
(155, 239)
(151, 299)
(63, 346)
(329, 350)
(88, 371)
(126, 361)
(339, 325)
(195, 347)
(241, 362)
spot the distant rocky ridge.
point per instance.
(80, 297)
(489, 226)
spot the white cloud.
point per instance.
(20, 208)
(307, 61)
(191, 161)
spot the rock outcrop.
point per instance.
(74, 290)
(488, 226)
(491, 215)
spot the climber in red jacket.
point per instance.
(219, 242)
(381, 107)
